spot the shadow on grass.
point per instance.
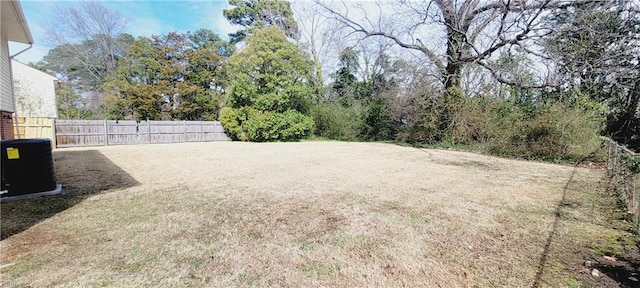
(625, 271)
(81, 173)
(544, 258)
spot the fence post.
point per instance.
(184, 129)
(54, 138)
(106, 133)
(614, 160)
(148, 131)
(635, 194)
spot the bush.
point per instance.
(249, 124)
(418, 120)
(555, 131)
(270, 103)
(378, 121)
(453, 118)
(552, 132)
(463, 119)
(334, 121)
(631, 162)
(232, 120)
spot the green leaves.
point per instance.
(172, 76)
(258, 14)
(250, 124)
(70, 104)
(631, 162)
(378, 121)
(596, 45)
(273, 69)
(270, 90)
(269, 126)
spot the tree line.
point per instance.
(535, 78)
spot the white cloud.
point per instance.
(149, 26)
(223, 27)
(209, 15)
(148, 18)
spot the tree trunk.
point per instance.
(455, 48)
(319, 82)
(452, 79)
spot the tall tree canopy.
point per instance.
(597, 48)
(270, 92)
(252, 14)
(172, 76)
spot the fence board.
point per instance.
(33, 127)
(73, 133)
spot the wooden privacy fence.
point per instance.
(74, 133)
(31, 127)
(623, 178)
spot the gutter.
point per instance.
(21, 51)
(15, 105)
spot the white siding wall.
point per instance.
(6, 95)
(34, 91)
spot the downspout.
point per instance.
(15, 105)
(21, 51)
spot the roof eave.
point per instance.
(20, 20)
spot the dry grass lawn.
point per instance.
(304, 214)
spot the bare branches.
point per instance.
(81, 23)
(86, 42)
(360, 28)
(474, 30)
(496, 75)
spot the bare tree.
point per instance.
(319, 35)
(453, 33)
(88, 34)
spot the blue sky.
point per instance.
(146, 18)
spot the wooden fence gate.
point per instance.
(74, 133)
(31, 127)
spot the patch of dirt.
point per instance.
(475, 164)
(24, 245)
(608, 256)
(624, 271)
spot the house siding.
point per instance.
(6, 99)
(6, 92)
(34, 91)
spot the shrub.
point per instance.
(631, 163)
(232, 120)
(453, 118)
(378, 121)
(335, 121)
(463, 119)
(553, 132)
(249, 124)
(418, 120)
(269, 91)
